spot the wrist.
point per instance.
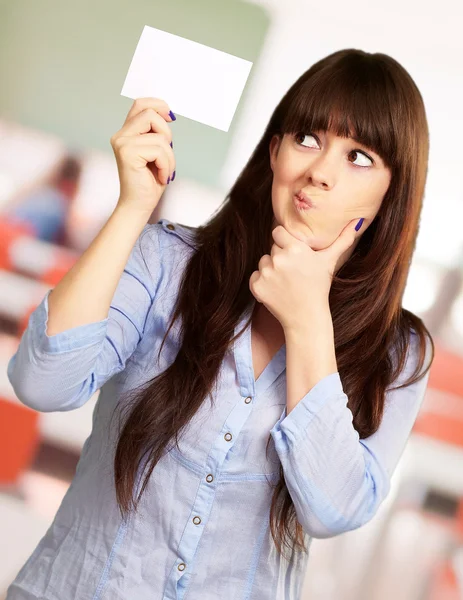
(132, 213)
(310, 323)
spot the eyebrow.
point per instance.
(361, 142)
(354, 139)
(369, 148)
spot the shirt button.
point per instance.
(181, 566)
(170, 226)
(248, 400)
(228, 436)
(209, 478)
(197, 520)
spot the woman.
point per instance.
(288, 318)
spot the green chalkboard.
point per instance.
(63, 64)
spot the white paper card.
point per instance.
(197, 82)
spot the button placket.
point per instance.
(228, 436)
(234, 423)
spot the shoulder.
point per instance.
(165, 246)
(412, 357)
(159, 246)
(171, 233)
(415, 348)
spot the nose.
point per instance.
(320, 173)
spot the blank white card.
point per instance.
(197, 82)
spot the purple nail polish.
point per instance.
(359, 224)
(168, 180)
(172, 116)
(171, 145)
(173, 176)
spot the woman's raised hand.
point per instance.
(144, 156)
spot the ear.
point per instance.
(274, 148)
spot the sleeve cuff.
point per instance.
(290, 428)
(71, 339)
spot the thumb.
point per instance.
(346, 238)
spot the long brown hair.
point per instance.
(350, 92)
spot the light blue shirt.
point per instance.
(202, 530)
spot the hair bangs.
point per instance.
(350, 103)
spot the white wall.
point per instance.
(425, 38)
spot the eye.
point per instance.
(304, 135)
(363, 155)
(359, 153)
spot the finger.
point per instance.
(253, 281)
(265, 261)
(155, 139)
(345, 239)
(148, 121)
(140, 104)
(282, 237)
(131, 149)
(155, 156)
(289, 240)
(275, 250)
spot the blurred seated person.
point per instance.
(45, 209)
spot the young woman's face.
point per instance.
(344, 180)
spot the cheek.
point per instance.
(284, 175)
(369, 198)
(285, 168)
(357, 205)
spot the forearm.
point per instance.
(310, 356)
(318, 448)
(84, 294)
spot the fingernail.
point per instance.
(172, 116)
(168, 180)
(359, 224)
(173, 176)
(171, 145)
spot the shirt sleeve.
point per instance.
(62, 371)
(336, 480)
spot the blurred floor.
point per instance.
(412, 545)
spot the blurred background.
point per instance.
(62, 67)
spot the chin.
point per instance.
(294, 229)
